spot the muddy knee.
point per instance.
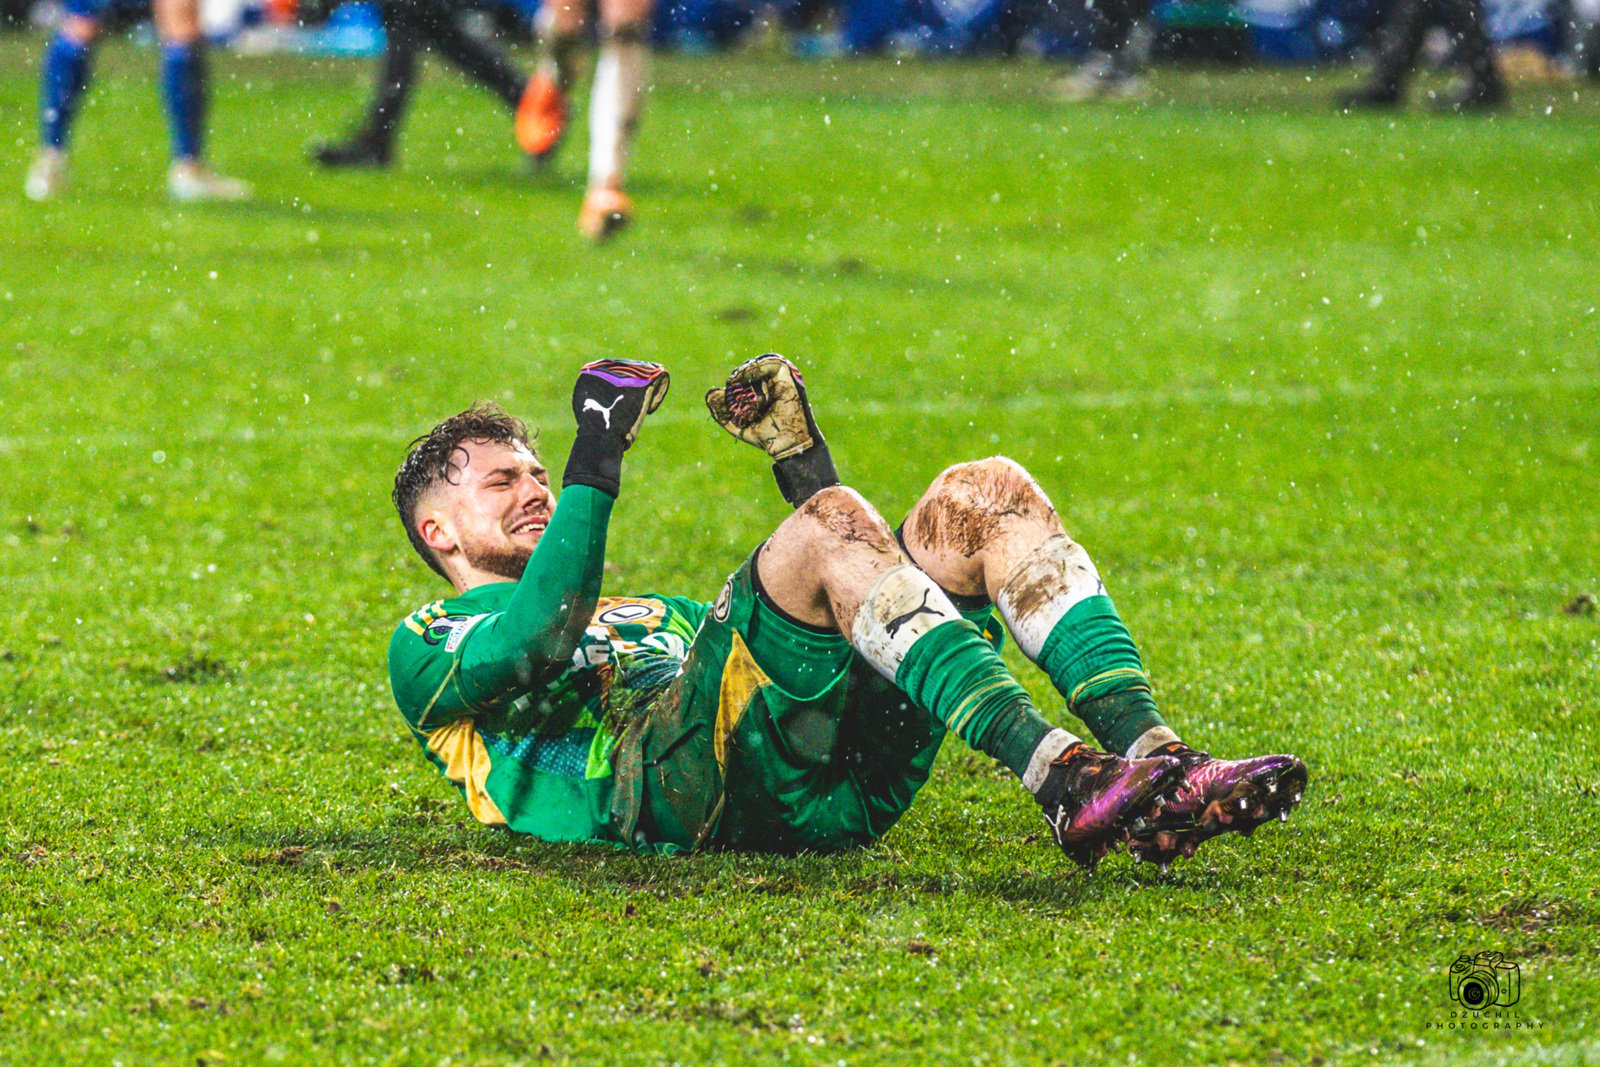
(843, 516)
(968, 505)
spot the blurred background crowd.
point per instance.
(1537, 37)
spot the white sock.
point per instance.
(902, 605)
(614, 107)
(1149, 741)
(1041, 589)
(1054, 743)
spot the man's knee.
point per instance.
(838, 515)
(998, 479)
(968, 504)
(824, 555)
(628, 31)
(80, 29)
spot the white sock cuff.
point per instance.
(902, 605)
(1149, 741)
(1055, 742)
(605, 119)
(1041, 589)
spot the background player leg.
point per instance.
(1483, 89)
(478, 60)
(542, 115)
(1114, 67)
(372, 145)
(186, 93)
(63, 77)
(614, 106)
(835, 563)
(987, 529)
(411, 25)
(1399, 45)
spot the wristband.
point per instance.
(596, 461)
(803, 474)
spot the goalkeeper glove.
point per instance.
(609, 401)
(764, 404)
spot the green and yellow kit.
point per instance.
(655, 722)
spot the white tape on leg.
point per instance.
(1055, 742)
(1149, 741)
(902, 605)
(1041, 589)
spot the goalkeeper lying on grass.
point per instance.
(804, 707)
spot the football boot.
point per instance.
(46, 175)
(189, 182)
(541, 120)
(1090, 798)
(1216, 796)
(605, 211)
(365, 149)
(1368, 98)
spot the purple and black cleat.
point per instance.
(1091, 798)
(1216, 796)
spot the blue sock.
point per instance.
(63, 76)
(183, 85)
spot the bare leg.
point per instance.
(177, 21)
(618, 88)
(819, 564)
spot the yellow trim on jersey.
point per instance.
(741, 677)
(419, 621)
(466, 763)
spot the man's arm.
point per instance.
(534, 638)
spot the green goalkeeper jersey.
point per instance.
(517, 691)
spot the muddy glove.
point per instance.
(609, 401)
(764, 403)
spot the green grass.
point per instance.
(1318, 392)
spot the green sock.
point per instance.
(956, 674)
(1091, 658)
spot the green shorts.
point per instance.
(775, 738)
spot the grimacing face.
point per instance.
(493, 514)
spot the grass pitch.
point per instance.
(1319, 393)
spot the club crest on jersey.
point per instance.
(449, 630)
(724, 602)
(622, 611)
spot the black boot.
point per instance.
(1370, 98)
(1474, 98)
(363, 150)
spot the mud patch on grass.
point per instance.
(1527, 915)
(192, 668)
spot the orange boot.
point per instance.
(541, 120)
(605, 211)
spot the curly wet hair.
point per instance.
(437, 457)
